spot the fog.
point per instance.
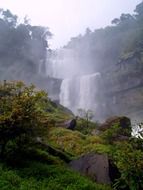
(68, 18)
(99, 65)
(99, 68)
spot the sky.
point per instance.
(69, 18)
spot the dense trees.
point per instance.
(23, 47)
(105, 46)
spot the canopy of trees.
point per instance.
(23, 47)
(106, 46)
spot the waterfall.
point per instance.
(79, 92)
(87, 91)
(65, 93)
(78, 89)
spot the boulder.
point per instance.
(123, 122)
(95, 166)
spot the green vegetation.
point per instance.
(126, 154)
(26, 161)
(85, 124)
(35, 149)
(76, 143)
(130, 164)
(22, 115)
(25, 115)
(39, 176)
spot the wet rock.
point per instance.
(95, 166)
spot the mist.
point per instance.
(100, 69)
(68, 18)
(99, 66)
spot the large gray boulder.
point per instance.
(95, 166)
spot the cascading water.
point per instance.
(79, 92)
(78, 89)
(65, 93)
(88, 92)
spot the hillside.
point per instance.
(27, 117)
(38, 152)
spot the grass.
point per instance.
(76, 143)
(39, 176)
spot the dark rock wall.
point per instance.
(121, 90)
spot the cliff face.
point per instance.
(121, 89)
(116, 52)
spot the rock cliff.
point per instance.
(121, 89)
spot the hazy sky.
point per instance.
(68, 18)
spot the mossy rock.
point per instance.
(122, 122)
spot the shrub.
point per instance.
(130, 164)
(22, 114)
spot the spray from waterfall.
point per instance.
(78, 89)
